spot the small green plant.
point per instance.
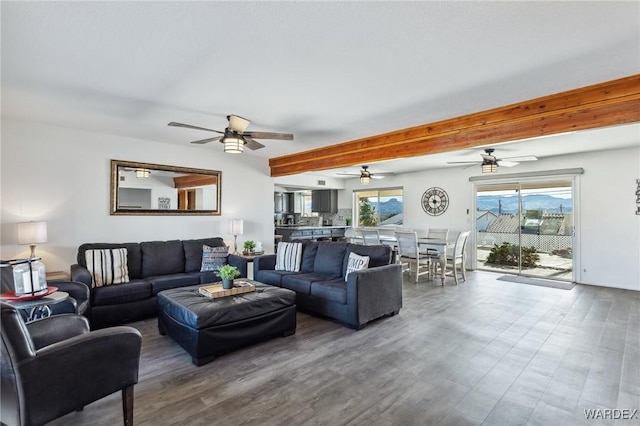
(507, 254)
(249, 245)
(228, 272)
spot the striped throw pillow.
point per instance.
(107, 266)
(289, 257)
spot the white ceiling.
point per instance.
(328, 72)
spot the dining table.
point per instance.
(439, 245)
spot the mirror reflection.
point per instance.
(144, 188)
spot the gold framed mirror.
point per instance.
(155, 189)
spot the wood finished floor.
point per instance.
(485, 352)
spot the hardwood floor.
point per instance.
(484, 352)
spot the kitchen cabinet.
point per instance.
(283, 202)
(324, 201)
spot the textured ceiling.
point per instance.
(329, 72)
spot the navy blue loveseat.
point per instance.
(321, 288)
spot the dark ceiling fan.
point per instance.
(234, 137)
(490, 162)
(366, 175)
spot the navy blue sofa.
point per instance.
(153, 266)
(321, 288)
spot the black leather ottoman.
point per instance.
(207, 327)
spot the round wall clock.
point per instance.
(435, 201)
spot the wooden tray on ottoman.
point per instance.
(215, 290)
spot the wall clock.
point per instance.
(435, 201)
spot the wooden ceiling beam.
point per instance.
(190, 181)
(601, 105)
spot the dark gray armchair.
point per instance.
(54, 366)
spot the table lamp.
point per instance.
(32, 233)
(236, 229)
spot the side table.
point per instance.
(250, 258)
(38, 308)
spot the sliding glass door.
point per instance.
(526, 228)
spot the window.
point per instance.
(306, 205)
(379, 207)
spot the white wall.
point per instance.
(62, 176)
(608, 243)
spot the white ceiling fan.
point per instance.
(490, 162)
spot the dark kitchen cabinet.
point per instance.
(324, 201)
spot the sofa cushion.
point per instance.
(107, 266)
(162, 258)
(309, 251)
(355, 262)
(193, 252)
(333, 291)
(214, 257)
(289, 257)
(165, 282)
(330, 259)
(301, 283)
(122, 293)
(271, 277)
(379, 255)
(134, 256)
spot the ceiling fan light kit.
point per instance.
(143, 173)
(233, 145)
(489, 167)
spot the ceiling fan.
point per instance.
(366, 175)
(234, 138)
(490, 162)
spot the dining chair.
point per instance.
(370, 237)
(409, 254)
(459, 256)
(439, 234)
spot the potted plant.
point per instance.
(227, 273)
(249, 245)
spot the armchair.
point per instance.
(54, 366)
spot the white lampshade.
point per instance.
(233, 145)
(236, 226)
(32, 232)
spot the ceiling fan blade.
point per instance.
(268, 135)
(503, 163)
(521, 159)
(203, 141)
(189, 126)
(251, 144)
(464, 162)
(377, 176)
(383, 174)
(237, 123)
(348, 174)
